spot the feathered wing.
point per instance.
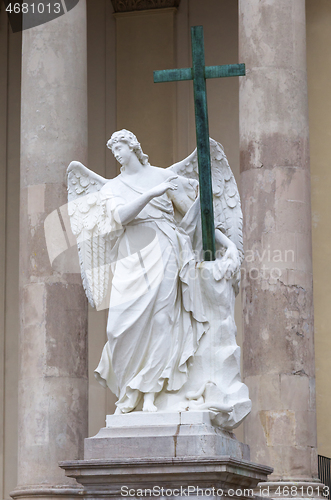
(227, 207)
(88, 220)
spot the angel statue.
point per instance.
(171, 331)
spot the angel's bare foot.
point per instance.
(149, 402)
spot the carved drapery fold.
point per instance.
(131, 5)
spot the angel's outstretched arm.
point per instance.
(128, 212)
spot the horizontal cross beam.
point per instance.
(173, 75)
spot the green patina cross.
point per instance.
(199, 73)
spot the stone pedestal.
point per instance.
(165, 454)
(164, 434)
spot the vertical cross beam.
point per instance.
(203, 146)
(198, 73)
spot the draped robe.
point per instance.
(156, 316)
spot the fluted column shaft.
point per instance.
(53, 343)
(278, 346)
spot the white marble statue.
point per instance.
(171, 331)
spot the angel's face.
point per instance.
(122, 152)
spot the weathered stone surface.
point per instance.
(53, 342)
(277, 285)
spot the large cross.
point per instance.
(199, 73)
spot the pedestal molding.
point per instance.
(166, 462)
(105, 479)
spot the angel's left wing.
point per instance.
(227, 208)
(89, 224)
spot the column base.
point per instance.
(293, 489)
(64, 492)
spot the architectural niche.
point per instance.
(131, 5)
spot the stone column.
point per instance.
(278, 348)
(53, 357)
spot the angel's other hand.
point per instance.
(232, 252)
(162, 188)
(232, 255)
(229, 264)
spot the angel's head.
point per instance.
(128, 138)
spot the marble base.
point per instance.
(163, 434)
(165, 454)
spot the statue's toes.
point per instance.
(149, 406)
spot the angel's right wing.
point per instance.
(88, 220)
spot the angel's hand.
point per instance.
(233, 260)
(163, 187)
(232, 253)
(228, 265)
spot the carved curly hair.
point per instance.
(131, 140)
